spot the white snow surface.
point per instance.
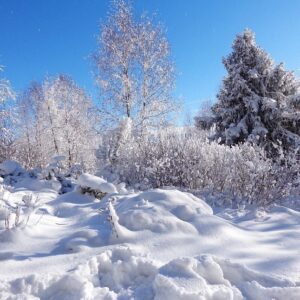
(157, 244)
(9, 167)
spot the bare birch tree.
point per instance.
(58, 119)
(134, 70)
(6, 119)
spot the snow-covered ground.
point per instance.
(158, 244)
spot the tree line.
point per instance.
(258, 102)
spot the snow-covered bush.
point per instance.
(30, 204)
(55, 168)
(11, 171)
(56, 172)
(185, 158)
(17, 214)
(95, 186)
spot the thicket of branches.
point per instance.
(185, 158)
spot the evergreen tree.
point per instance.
(258, 100)
(285, 89)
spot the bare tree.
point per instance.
(157, 77)
(57, 119)
(6, 119)
(27, 144)
(134, 70)
(75, 120)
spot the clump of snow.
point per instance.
(121, 187)
(96, 183)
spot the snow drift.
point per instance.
(157, 244)
(122, 273)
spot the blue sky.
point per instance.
(46, 37)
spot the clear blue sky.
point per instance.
(39, 37)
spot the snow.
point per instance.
(96, 183)
(9, 167)
(156, 244)
(38, 185)
(58, 158)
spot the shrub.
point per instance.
(186, 159)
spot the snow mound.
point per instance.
(207, 277)
(123, 273)
(10, 167)
(96, 183)
(37, 184)
(120, 270)
(146, 245)
(161, 211)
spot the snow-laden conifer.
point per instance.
(258, 101)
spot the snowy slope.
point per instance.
(158, 244)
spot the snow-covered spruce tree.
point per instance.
(257, 100)
(285, 88)
(134, 72)
(6, 119)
